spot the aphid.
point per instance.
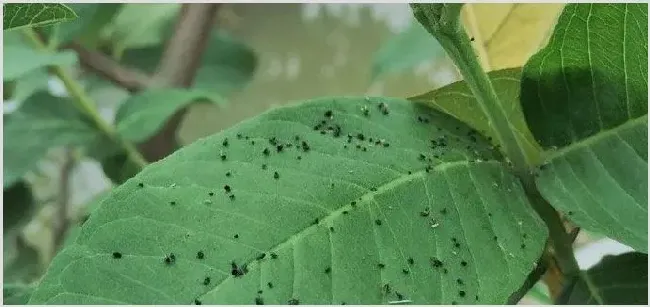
(236, 236)
(422, 157)
(524, 236)
(223, 157)
(260, 291)
(405, 271)
(170, 259)
(471, 39)
(173, 203)
(231, 196)
(279, 148)
(141, 185)
(226, 188)
(328, 114)
(264, 166)
(523, 246)
(331, 229)
(276, 175)
(495, 238)
(411, 261)
(373, 189)
(259, 301)
(328, 270)
(457, 245)
(445, 271)
(305, 146)
(461, 293)
(365, 111)
(206, 281)
(463, 263)
(314, 222)
(228, 174)
(273, 141)
(261, 256)
(381, 265)
(197, 302)
(274, 256)
(476, 297)
(454, 303)
(294, 301)
(436, 262)
(361, 137)
(270, 285)
(459, 281)
(266, 152)
(200, 255)
(378, 222)
(353, 203)
(239, 136)
(399, 296)
(323, 132)
(236, 270)
(299, 158)
(424, 213)
(428, 169)
(117, 255)
(345, 212)
(225, 143)
(570, 213)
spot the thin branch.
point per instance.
(178, 67)
(130, 79)
(62, 222)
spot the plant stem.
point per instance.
(84, 104)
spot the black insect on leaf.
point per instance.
(236, 270)
(197, 302)
(170, 259)
(294, 301)
(200, 255)
(206, 281)
(259, 301)
(117, 255)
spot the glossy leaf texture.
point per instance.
(226, 65)
(458, 101)
(143, 114)
(16, 16)
(42, 122)
(619, 280)
(586, 94)
(405, 50)
(335, 200)
(20, 60)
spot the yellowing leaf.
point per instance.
(507, 34)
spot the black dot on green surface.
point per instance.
(378, 222)
(274, 256)
(117, 255)
(276, 175)
(197, 302)
(461, 293)
(223, 157)
(173, 203)
(236, 236)
(206, 281)
(459, 281)
(405, 271)
(200, 255)
(328, 270)
(270, 285)
(411, 261)
(463, 263)
(141, 185)
(228, 174)
(259, 301)
(381, 265)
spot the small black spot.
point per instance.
(117, 255)
(386, 288)
(294, 301)
(211, 193)
(141, 185)
(270, 285)
(231, 196)
(405, 271)
(489, 214)
(373, 189)
(331, 229)
(228, 174)
(274, 256)
(279, 148)
(459, 281)
(463, 263)
(227, 188)
(197, 302)
(200, 255)
(381, 265)
(435, 262)
(264, 166)
(206, 281)
(454, 303)
(236, 270)
(345, 212)
(314, 222)
(223, 157)
(328, 270)
(472, 39)
(424, 213)
(170, 259)
(305, 146)
(476, 297)
(461, 293)
(266, 152)
(495, 238)
(399, 296)
(276, 175)
(173, 203)
(259, 301)
(570, 213)
(225, 143)
(457, 245)
(378, 222)
(261, 256)
(523, 246)
(236, 236)
(353, 203)
(411, 261)
(328, 114)
(239, 136)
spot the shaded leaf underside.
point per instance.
(343, 217)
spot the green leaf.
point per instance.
(42, 122)
(18, 16)
(131, 30)
(226, 65)
(16, 294)
(458, 101)
(619, 280)
(21, 60)
(439, 19)
(586, 92)
(327, 213)
(18, 206)
(93, 17)
(143, 114)
(404, 51)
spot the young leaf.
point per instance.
(226, 65)
(18, 16)
(619, 280)
(586, 92)
(20, 60)
(458, 101)
(142, 115)
(42, 122)
(404, 51)
(289, 204)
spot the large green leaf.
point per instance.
(130, 30)
(586, 92)
(457, 100)
(399, 209)
(18, 16)
(405, 50)
(619, 280)
(42, 122)
(20, 60)
(226, 65)
(142, 115)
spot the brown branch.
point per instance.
(128, 78)
(62, 222)
(177, 68)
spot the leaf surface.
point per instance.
(20, 60)
(586, 94)
(620, 280)
(18, 16)
(458, 101)
(42, 122)
(399, 209)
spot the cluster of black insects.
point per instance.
(329, 127)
